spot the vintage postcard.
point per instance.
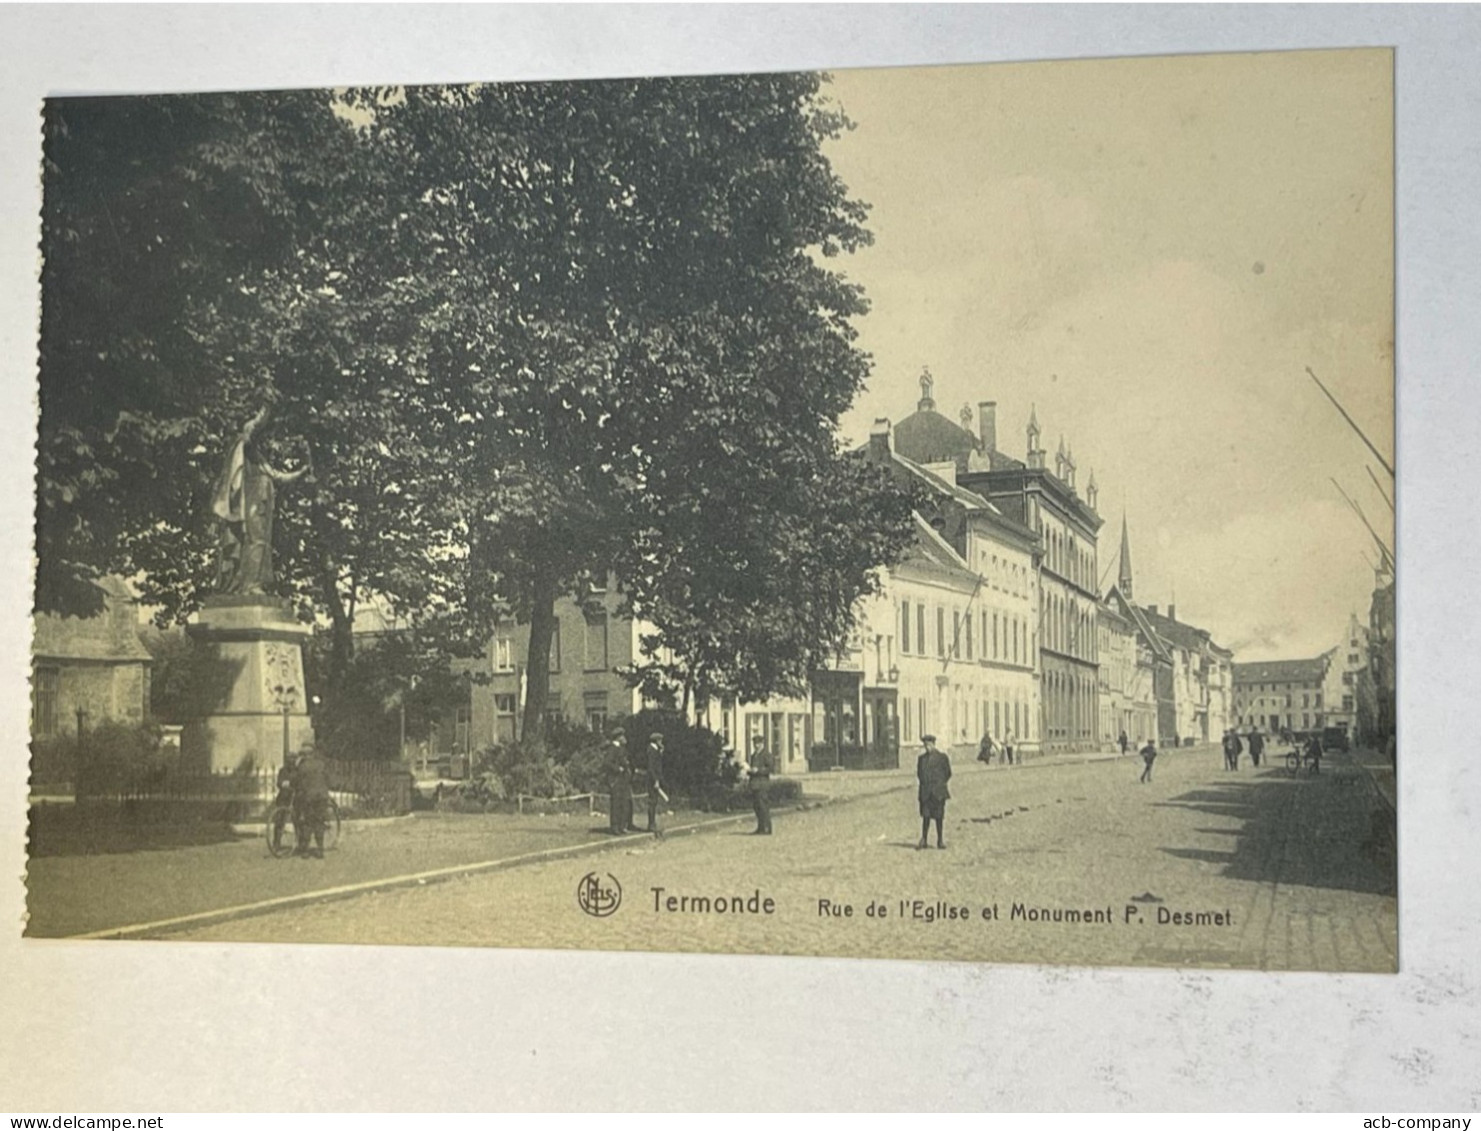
(932, 513)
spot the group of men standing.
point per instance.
(1234, 747)
(303, 791)
(622, 771)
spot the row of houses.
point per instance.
(992, 624)
(1336, 689)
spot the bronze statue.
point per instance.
(243, 501)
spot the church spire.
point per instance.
(1123, 581)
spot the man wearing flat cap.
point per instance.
(933, 771)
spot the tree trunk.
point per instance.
(537, 673)
(341, 631)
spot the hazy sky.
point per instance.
(1151, 251)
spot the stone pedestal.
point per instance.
(252, 664)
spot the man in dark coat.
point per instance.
(1314, 753)
(619, 784)
(655, 782)
(310, 802)
(1232, 748)
(1257, 747)
(759, 776)
(933, 771)
(1149, 755)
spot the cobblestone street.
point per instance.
(1278, 872)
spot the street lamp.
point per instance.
(285, 697)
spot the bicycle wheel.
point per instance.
(1293, 764)
(331, 825)
(279, 831)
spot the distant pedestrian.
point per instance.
(985, 749)
(1257, 746)
(1231, 750)
(1008, 747)
(656, 792)
(619, 784)
(932, 771)
(1149, 755)
(759, 775)
(1124, 743)
(1314, 753)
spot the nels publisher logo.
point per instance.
(598, 894)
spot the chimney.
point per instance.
(1172, 612)
(987, 425)
(965, 416)
(879, 441)
(1152, 609)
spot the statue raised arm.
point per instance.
(243, 502)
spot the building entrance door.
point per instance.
(836, 704)
(883, 725)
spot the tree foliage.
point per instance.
(523, 333)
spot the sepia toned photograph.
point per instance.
(932, 513)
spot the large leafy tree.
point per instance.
(523, 333)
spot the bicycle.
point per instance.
(1296, 761)
(279, 817)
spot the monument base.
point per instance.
(250, 696)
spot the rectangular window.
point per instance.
(44, 701)
(504, 707)
(956, 634)
(504, 646)
(595, 705)
(555, 648)
(904, 627)
(756, 729)
(920, 630)
(1347, 702)
(462, 729)
(995, 652)
(596, 643)
(1318, 701)
(920, 718)
(905, 718)
(940, 631)
(967, 624)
